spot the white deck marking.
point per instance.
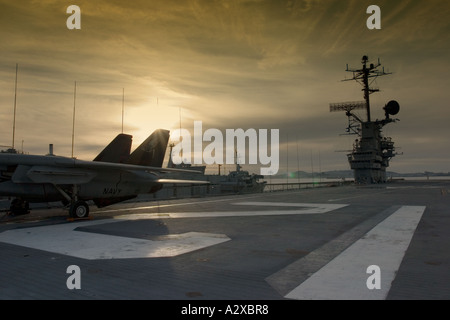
(301, 208)
(311, 207)
(345, 276)
(63, 239)
(171, 205)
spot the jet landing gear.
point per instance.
(79, 210)
(19, 207)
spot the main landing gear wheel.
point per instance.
(19, 207)
(79, 210)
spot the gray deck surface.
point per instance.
(268, 247)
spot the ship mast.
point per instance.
(366, 89)
(363, 75)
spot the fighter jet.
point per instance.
(113, 176)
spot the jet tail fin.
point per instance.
(152, 151)
(117, 151)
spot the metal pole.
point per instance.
(287, 160)
(73, 118)
(298, 167)
(15, 103)
(123, 102)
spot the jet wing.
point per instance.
(72, 171)
(139, 170)
(97, 165)
(178, 181)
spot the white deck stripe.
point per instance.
(171, 205)
(345, 276)
(305, 208)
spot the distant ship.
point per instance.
(371, 151)
(241, 182)
(9, 150)
(238, 181)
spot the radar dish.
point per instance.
(392, 107)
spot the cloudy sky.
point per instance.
(230, 64)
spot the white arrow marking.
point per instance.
(63, 239)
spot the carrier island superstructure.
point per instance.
(371, 151)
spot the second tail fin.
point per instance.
(152, 151)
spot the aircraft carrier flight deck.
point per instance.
(388, 241)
